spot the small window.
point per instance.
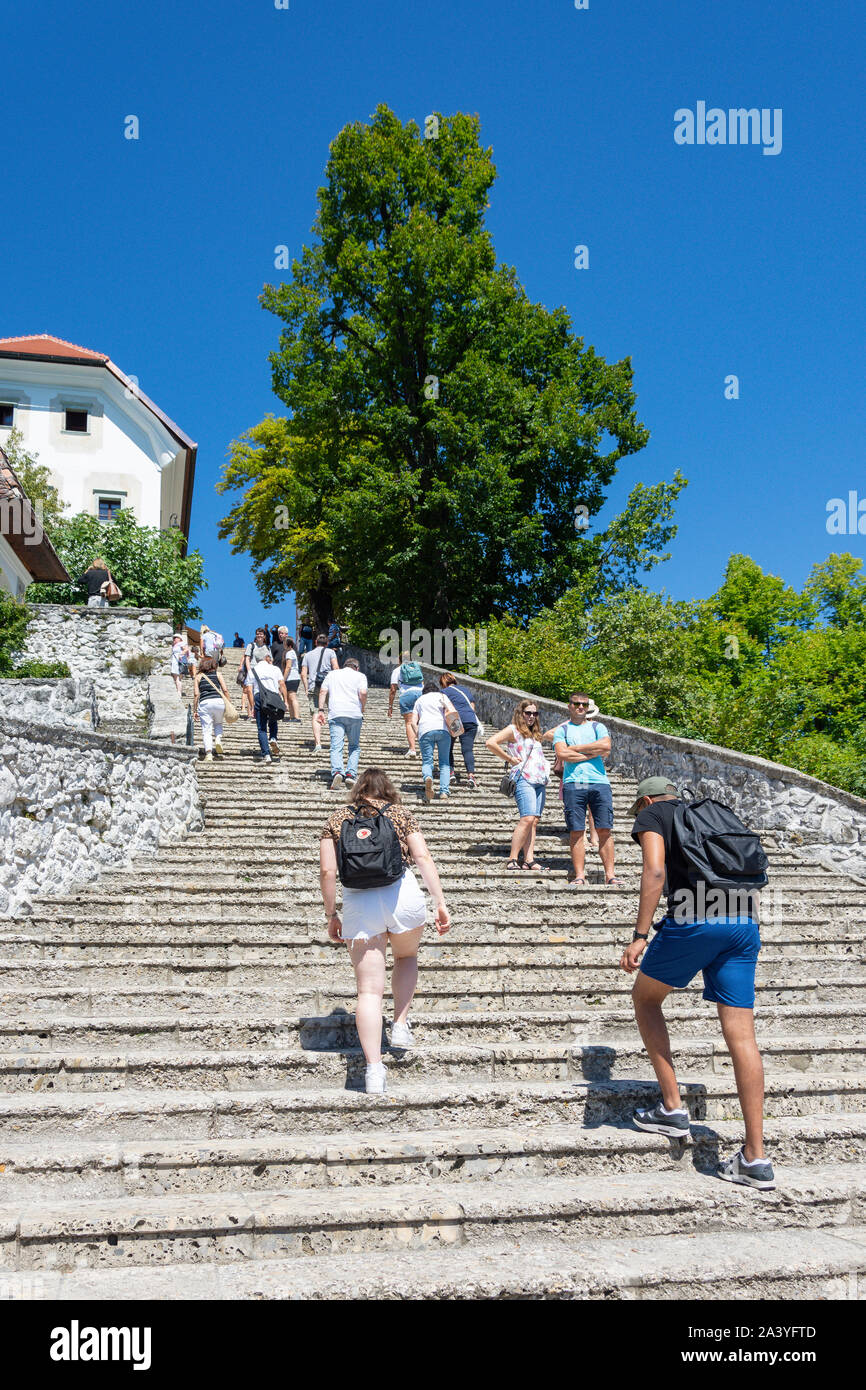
(108, 508)
(76, 421)
(7, 416)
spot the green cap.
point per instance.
(652, 786)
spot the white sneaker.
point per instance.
(401, 1035)
(268, 759)
(375, 1079)
(274, 747)
(208, 757)
(410, 753)
(428, 788)
(218, 748)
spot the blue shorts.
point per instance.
(408, 698)
(530, 797)
(726, 951)
(576, 796)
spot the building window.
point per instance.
(76, 421)
(108, 508)
(7, 416)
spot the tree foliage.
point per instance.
(35, 479)
(149, 564)
(14, 617)
(757, 666)
(442, 427)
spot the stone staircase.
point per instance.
(180, 1103)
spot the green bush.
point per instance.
(43, 670)
(14, 617)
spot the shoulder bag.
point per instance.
(508, 783)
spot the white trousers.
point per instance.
(211, 714)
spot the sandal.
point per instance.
(612, 883)
(512, 865)
(577, 883)
(533, 866)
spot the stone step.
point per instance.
(76, 1171)
(168, 1023)
(509, 947)
(223, 1227)
(289, 1066)
(439, 986)
(296, 958)
(770, 1265)
(123, 1114)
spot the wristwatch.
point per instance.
(639, 936)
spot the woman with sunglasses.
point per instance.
(519, 745)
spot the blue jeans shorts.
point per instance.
(530, 797)
(725, 950)
(576, 796)
(408, 698)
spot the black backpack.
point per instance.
(717, 848)
(368, 850)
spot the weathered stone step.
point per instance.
(270, 1225)
(76, 1171)
(297, 957)
(439, 986)
(181, 1114)
(770, 1265)
(158, 1024)
(287, 1066)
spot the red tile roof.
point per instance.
(46, 345)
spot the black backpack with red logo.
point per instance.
(368, 850)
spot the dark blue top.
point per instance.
(460, 699)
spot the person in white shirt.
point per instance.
(314, 668)
(346, 694)
(267, 676)
(407, 682)
(428, 718)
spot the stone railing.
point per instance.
(95, 643)
(801, 809)
(73, 803)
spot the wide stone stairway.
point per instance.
(182, 1116)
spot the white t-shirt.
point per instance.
(344, 687)
(269, 675)
(430, 710)
(311, 662)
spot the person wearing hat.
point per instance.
(724, 946)
(581, 745)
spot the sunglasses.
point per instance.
(531, 713)
(579, 704)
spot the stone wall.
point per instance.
(803, 810)
(73, 803)
(69, 702)
(94, 642)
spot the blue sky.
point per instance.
(705, 261)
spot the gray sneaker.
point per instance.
(757, 1174)
(675, 1125)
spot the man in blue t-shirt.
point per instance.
(582, 747)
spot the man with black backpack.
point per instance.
(711, 867)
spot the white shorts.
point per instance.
(368, 912)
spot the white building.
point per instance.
(108, 447)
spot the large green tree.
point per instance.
(443, 428)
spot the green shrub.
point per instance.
(37, 670)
